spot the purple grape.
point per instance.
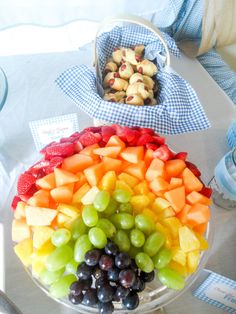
(106, 262)
(139, 285)
(127, 278)
(101, 282)
(105, 293)
(134, 266)
(111, 248)
(86, 284)
(92, 257)
(131, 301)
(90, 297)
(84, 271)
(147, 277)
(113, 274)
(122, 260)
(76, 288)
(105, 308)
(122, 292)
(98, 273)
(75, 299)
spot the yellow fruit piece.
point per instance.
(193, 260)
(69, 222)
(148, 212)
(39, 216)
(41, 236)
(166, 232)
(183, 270)
(188, 240)
(62, 219)
(89, 197)
(24, 250)
(20, 230)
(130, 180)
(179, 256)
(122, 185)
(108, 181)
(160, 204)
(80, 193)
(139, 202)
(19, 212)
(42, 254)
(166, 213)
(37, 267)
(151, 196)
(142, 188)
(173, 224)
(203, 242)
(69, 210)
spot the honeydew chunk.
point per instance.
(20, 230)
(39, 216)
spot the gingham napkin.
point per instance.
(178, 109)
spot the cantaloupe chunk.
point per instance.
(130, 180)
(82, 180)
(115, 141)
(111, 164)
(77, 196)
(40, 199)
(88, 151)
(19, 212)
(175, 182)
(24, 250)
(69, 210)
(111, 151)
(20, 230)
(148, 157)
(64, 177)
(108, 181)
(191, 182)
(158, 184)
(174, 167)
(188, 240)
(182, 215)
(77, 162)
(89, 197)
(176, 197)
(94, 174)
(198, 214)
(41, 236)
(133, 154)
(39, 216)
(201, 228)
(155, 169)
(137, 170)
(47, 182)
(196, 197)
(63, 194)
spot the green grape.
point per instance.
(59, 258)
(97, 237)
(107, 227)
(145, 224)
(72, 266)
(123, 220)
(162, 258)
(133, 251)
(171, 278)
(78, 228)
(90, 215)
(60, 237)
(48, 277)
(153, 243)
(111, 208)
(61, 287)
(82, 246)
(137, 238)
(126, 208)
(144, 262)
(121, 239)
(121, 196)
(101, 201)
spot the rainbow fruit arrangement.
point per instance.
(107, 209)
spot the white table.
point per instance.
(33, 95)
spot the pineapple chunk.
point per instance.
(188, 240)
(80, 193)
(89, 197)
(173, 224)
(130, 180)
(69, 210)
(24, 250)
(160, 204)
(41, 236)
(179, 256)
(193, 260)
(122, 185)
(139, 202)
(108, 181)
(142, 188)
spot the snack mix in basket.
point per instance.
(106, 211)
(128, 78)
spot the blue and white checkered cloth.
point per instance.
(178, 109)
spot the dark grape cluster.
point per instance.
(106, 276)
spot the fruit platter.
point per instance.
(112, 220)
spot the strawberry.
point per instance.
(159, 140)
(132, 136)
(25, 182)
(90, 138)
(163, 152)
(206, 191)
(55, 162)
(15, 201)
(93, 129)
(181, 155)
(107, 132)
(25, 197)
(152, 146)
(67, 140)
(39, 165)
(144, 139)
(193, 168)
(146, 131)
(75, 135)
(59, 149)
(78, 146)
(119, 131)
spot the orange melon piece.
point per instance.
(191, 182)
(158, 185)
(111, 151)
(137, 170)
(176, 197)
(77, 162)
(47, 183)
(182, 215)
(88, 151)
(80, 193)
(63, 194)
(82, 180)
(130, 180)
(201, 228)
(198, 214)
(111, 164)
(40, 199)
(39, 216)
(64, 177)
(175, 182)
(174, 167)
(19, 212)
(115, 141)
(20, 230)
(133, 154)
(148, 157)
(94, 174)
(196, 197)
(156, 169)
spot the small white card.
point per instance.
(52, 129)
(219, 291)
